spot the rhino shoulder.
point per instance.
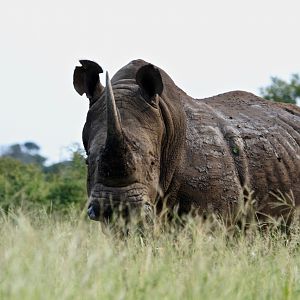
(290, 108)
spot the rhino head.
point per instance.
(123, 136)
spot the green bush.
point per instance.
(67, 183)
(28, 185)
(21, 184)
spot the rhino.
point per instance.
(150, 144)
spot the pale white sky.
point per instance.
(207, 47)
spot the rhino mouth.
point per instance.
(106, 202)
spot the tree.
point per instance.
(282, 91)
(32, 147)
(27, 153)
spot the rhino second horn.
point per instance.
(114, 128)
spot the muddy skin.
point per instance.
(147, 140)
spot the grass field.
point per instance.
(50, 257)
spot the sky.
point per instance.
(207, 47)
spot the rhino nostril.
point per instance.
(93, 212)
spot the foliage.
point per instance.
(20, 184)
(67, 183)
(282, 91)
(29, 185)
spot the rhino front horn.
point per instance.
(114, 129)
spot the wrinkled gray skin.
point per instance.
(147, 140)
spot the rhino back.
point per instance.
(238, 139)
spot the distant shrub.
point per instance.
(27, 185)
(21, 184)
(67, 183)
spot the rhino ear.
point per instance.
(149, 80)
(86, 78)
(78, 80)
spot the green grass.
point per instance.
(50, 257)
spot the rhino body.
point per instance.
(147, 140)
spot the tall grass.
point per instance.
(44, 256)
